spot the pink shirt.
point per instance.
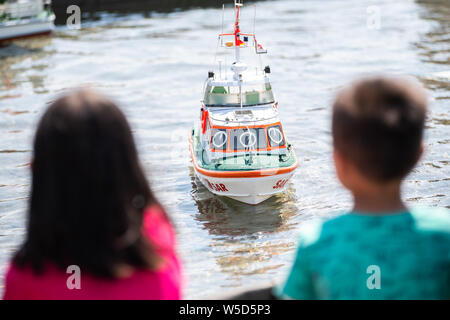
(164, 283)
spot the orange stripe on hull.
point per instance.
(241, 174)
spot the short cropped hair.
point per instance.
(378, 125)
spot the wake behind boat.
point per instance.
(239, 148)
(25, 18)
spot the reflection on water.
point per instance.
(19, 52)
(222, 216)
(235, 229)
(434, 44)
(155, 64)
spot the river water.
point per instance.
(155, 64)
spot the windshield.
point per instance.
(241, 139)
(268, 137)
(219, 139)
(276, 138)
(251, 95)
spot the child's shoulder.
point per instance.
(157, 227)
(424, 219)
(348, 225)
(431, 219)
(319, 229)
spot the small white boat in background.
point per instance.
(239, 148)
(25, 18)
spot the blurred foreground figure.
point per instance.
(381, 249)
(95, 229)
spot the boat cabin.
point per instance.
(233, 132)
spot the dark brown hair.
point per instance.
(378, 125)
(88, 190)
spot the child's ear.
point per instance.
(339, 163)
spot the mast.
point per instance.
(238, 67)
(237, 31)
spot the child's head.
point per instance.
(377, 131)
(88, 189)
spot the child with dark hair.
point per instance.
(95, 230)
(381, 249)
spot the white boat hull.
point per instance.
(252, 190)
(12, 30)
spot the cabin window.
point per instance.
(231, 95)
(241, 139)
(219, 90)
(276, 138)
(219, 139)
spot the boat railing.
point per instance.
(272, 157)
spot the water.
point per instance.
(154, 66)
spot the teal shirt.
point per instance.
(354, 256)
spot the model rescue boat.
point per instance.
(238, 148)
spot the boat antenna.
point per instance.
(219, 39)
(223, 15)
(254, 21)
(237, 45)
